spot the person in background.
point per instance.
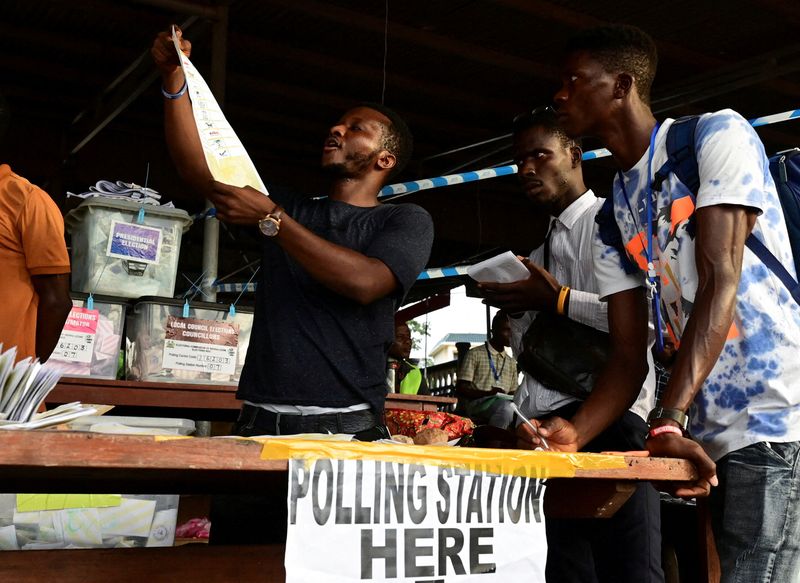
(487, 375)
(627, 546)
(736, 325)
(35, 283)
(406, 377)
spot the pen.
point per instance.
(531, 425)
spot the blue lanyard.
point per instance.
(495, 374)
(653, 280)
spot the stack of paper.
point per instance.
(123, 191)
(23, 387)
(503, 268)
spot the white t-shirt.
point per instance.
(571, 263)
(753, 392)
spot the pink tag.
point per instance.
(82, 320)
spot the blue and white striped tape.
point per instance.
(451, 179)
(433, 273)
(439, 272)
(775, 118)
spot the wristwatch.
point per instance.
(676, 415)
(270, 224)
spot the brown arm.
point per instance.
(182, 138)
(619, 383)
(51, 312)
(719, 248)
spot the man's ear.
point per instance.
(623, 85)
(576, 154)
(386, 160)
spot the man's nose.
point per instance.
(528, 168)
(337, 130)
(560, 96)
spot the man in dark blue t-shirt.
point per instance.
(333, 273)
(334, 270)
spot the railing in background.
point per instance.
(441, 380)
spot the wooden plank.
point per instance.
(188, 397)
(417, 402)
(135, 393)
(87, 462)
(709, 558)
(195, 562)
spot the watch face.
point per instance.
(269, 227)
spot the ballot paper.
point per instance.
(162, 530)
(503, 268)
(23, 388)
(8, 538)
(227, 159)
(133, 517)
(57, 416)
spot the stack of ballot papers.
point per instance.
(122, 191)
(23, 388)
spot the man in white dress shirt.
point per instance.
(627, 546)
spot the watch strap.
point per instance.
(680, 417)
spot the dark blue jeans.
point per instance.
(755, 514)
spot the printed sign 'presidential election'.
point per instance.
(363, 520)
(131, 241)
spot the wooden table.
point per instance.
(53, 461)
(205, 402)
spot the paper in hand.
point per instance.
(503, 268)
(226, 157)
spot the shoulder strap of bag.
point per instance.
(682, 161)
(610, 235)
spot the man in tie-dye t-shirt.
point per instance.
(737, 372)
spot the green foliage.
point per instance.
(418, 331)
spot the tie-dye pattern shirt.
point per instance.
(753, 392)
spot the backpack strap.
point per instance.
(682, 161)
(767, 258)
(610, 235)
(681, 155)
(785, 169)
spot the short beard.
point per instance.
(353, 166)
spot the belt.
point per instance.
(258, 421)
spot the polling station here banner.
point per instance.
(355, 520)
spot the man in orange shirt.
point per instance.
(34, 287)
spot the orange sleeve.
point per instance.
(41, 229)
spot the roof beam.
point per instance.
(440, 44)
(263, 86)
(185, 7)
(549, 11)
(116, 97)
(348, 67)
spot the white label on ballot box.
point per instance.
(76, 343)
(363, 520)
(198, 345)
(131, 241)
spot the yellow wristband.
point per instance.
(562, 300)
